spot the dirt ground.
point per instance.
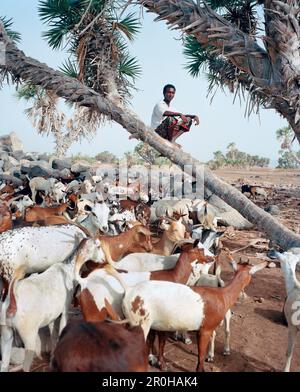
(258, 334)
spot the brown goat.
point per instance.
(137, 239)
(100, 347)
(140, 209)
(5, 218)
(36, 213)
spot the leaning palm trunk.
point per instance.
(273, 71)
(24, 68)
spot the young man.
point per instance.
(167, 121)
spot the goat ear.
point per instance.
(258, 267)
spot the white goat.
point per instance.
(288, 263)
(97, 218)
(40, 184)
(38, 247)
(33, 303)
(142, 262)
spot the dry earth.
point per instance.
(258, 335)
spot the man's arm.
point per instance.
(183, 116)
(194, 117)
(169, 113)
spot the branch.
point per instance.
(31, 70)
(210, 29)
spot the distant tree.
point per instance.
(289, 159)
(150, 155)
(132, 158)
(106, 157)
(235, 158)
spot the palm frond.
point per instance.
(196, 55)
(69, 68)
(7, 23)
(129, 26)
(27, 91)
(55, 36)
(129, 66)
(50, 10)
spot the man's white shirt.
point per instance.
(158, 111)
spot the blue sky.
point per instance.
(159, 51)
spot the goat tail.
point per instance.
(18, 275)
(112, 271)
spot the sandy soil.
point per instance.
(258, 334)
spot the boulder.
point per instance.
(273, 209)
(61, 164)
(80, 167)
(11, 141)
(8, 178)
(229, 216)
(18, 154)
(38, 171)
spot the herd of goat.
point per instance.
(137, 270)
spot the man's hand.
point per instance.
(196, 119)
(183, 118)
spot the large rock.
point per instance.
(80, 167)
(4, 155)
(61, 164)
(38, 171)
(7, 178)
(273, 209)
(229, 215)
(10, 164)
(12, 141)
(18, 154)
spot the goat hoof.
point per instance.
(210, 359)
(187, 341)
(153, 361)
(226, 352)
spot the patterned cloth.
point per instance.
(173, 127)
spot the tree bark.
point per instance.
(274, 71)
(31, 70)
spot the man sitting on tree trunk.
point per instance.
(168, 122)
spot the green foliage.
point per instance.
(106, 157)
(27, 91)
(7, 23)
(288, 157)
(235, 158)
(69, 68)
(78, 157)
(150, 155)
(220, 72)
(96, 36)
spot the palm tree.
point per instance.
(96, 37)
(269, 73)
(71, 89)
